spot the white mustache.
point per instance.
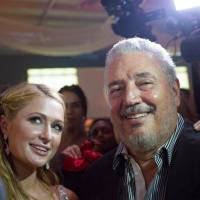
(137, 108)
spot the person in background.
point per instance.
(100, 136)
(158, 154)
(100, 140)
(31, 125)
(75, 115)
(187, 106)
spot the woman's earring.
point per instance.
(6, 144)
(47, 167)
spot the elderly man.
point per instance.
(158, 154)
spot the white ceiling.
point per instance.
(74, 13)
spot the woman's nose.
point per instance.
(68, 109)
(100, 134)
(46, 134)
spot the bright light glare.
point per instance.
(53, 77)
(182, 74)
(186, 4)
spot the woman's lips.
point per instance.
(40, 149)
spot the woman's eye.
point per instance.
(57, 127)
(35, 120)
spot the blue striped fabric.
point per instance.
(163, 157)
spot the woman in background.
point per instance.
(31, 125)
(75, 114)
(100, 140)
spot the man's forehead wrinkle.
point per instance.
(144, 75)
(131, 75)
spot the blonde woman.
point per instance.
(31, 125)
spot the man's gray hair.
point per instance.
(136, 44)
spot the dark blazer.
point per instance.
(100, 182)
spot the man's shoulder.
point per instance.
(106, 161)
(101, 169)
(188, 143)
(99, 175)
(99, 180)
(189, 135)
(184, 169)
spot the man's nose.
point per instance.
(132, 94)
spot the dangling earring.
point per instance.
(6, 144)
(47, 167)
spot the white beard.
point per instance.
(151, 140)
(144, 143)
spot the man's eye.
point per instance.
(145, 84)
(35, 120)
(115, 90)
(57, 127)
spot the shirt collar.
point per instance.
(171, 142)
(119, 155)
(168, 147)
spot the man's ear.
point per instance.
(176, 91)
(4, 124)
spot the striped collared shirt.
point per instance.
(163, 158)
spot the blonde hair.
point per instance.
(12, 101)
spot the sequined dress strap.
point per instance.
(62, 193)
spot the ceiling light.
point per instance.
(187, 4)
